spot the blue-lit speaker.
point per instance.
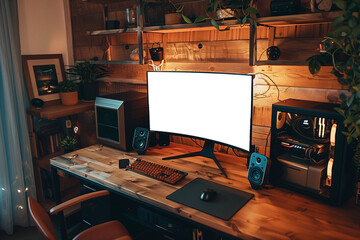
(257, 170)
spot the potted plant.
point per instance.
(68, 144)
(342, 52)
(88, 73)
(68, 92)
(172, 15)
(243, 10)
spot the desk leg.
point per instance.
(57, 195)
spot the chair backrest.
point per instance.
(42, 220)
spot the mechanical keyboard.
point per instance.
(157, 171)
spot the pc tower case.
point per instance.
(117, 116)
(309, 152)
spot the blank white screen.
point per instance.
(214, 106)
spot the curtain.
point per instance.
(16, 170)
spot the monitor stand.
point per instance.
(207, 151)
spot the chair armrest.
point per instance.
(76, 200)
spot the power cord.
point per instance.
(277, 88)
(267, 141)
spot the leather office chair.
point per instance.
(104, 231)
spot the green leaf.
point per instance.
(243, 21)
(340, 4)
(340, 110)
(200, 19)
(314, 65)
(352, 22)
(186, 19)
(215, 24)
(251, 10)
(341, 29)
(356, 31)
(338, 20)
(216, 6)
(350, 100)
(348, 120)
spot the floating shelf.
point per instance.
(189, 27)
(281, 62)
(112, 31)
(298, 19)
(59, 110)
(116, 62)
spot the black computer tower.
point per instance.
(309, 152)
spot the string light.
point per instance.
(19, 191)
(3, 189)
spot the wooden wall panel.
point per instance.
(289, 48)
(225, 51)
(219, 51)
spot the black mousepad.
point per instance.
(226, 203)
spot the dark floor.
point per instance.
(21, 233)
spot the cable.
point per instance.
(278, 90)
(262, 54)
(267, 140)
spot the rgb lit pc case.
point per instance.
(309, 152)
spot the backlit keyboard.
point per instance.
(157, 171)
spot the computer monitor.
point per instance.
(215, 107)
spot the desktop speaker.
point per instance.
(140, 140)
(257, 170)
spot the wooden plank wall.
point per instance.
(226, 51)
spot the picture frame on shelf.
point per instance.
(43, 73)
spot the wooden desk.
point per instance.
(272, 214)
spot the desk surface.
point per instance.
(272, 214)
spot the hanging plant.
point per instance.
(342, 52)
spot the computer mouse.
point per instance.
(208, 194)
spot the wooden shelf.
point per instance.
(169, 28)
(116, 62)
(56, 111)
(298, 19)
(191, 27)
(124, 80)
(281, 62)
(112, 31)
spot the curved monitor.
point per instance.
(210, 106)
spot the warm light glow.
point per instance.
(19, 191)
(76, 129)
(333, 134)
(329, 168)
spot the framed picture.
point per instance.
(43, 73)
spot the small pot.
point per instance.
(156, 52)
(69, 98)
(172, 18)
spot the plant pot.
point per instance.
(90, 91)
(69, 98)
(172, 18)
